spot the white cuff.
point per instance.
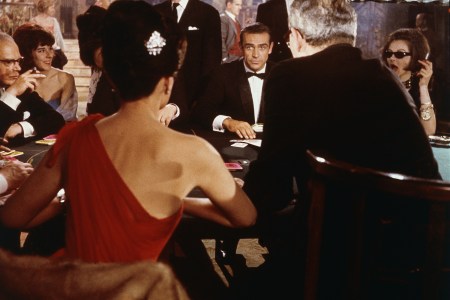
(177, 111)
(3, 184)
(217, 124)
(27, 128)
(10, 100)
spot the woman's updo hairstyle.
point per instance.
(139, 48)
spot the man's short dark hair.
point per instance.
(255, 28)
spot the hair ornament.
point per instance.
(155, 43)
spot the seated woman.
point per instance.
(127, 176)
(58, 87)
(406, 52)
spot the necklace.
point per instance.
(407, 83)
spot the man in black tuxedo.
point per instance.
(274, 14)
(234, 98)
(200, 23)
(328, 99)
(24, 115)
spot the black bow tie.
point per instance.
(260, 75)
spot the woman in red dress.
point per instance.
(126, 176)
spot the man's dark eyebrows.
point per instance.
(253, 45)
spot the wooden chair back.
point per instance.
(345, 230)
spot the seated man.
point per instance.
(234, 99)
(23, 114)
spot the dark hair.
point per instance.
(29, 37)
(89, 27)
(417, 43)
(132, 68)
(255, 28)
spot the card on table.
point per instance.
(239, 145)
(12, 153)
(46, 142)
(233, 166)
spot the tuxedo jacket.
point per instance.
(44, 119)
(228, 93)
(335, 102)
(274, 14)
(229, 35)
(200, 23)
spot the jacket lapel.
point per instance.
(246, 94)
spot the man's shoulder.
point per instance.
(225, 17)
(234, 66)
(202, 5)
(164, 3)
(271, 3)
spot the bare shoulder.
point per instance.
(64, 76)
(193, 149)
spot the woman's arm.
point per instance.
(69, 98)
(33, 197)
(426, 110)
(227, 203)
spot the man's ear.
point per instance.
(297, 42)
(270, 47)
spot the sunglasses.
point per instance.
(397, 54)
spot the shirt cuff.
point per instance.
(3, 184)
(177, 110)
(217, 124)
(10, 100)
(28, 129)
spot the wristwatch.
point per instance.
(425, 113)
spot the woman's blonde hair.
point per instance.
(43, 5)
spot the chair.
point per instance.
(347, 234)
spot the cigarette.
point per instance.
(427, 55)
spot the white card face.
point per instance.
(239, 145)
(254, 142)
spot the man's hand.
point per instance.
(27, 80)
(166, 114)
(241, 128)
(16, 172)
(2, 146)
(13, 131)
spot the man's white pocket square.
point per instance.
(192, 28)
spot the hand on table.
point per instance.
(13, 131)
(3, 141)
(241, 128)
(15, 172)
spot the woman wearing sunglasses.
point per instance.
(406, 52)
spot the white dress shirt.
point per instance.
(14, 102)
(256, 85)
(181, 8)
